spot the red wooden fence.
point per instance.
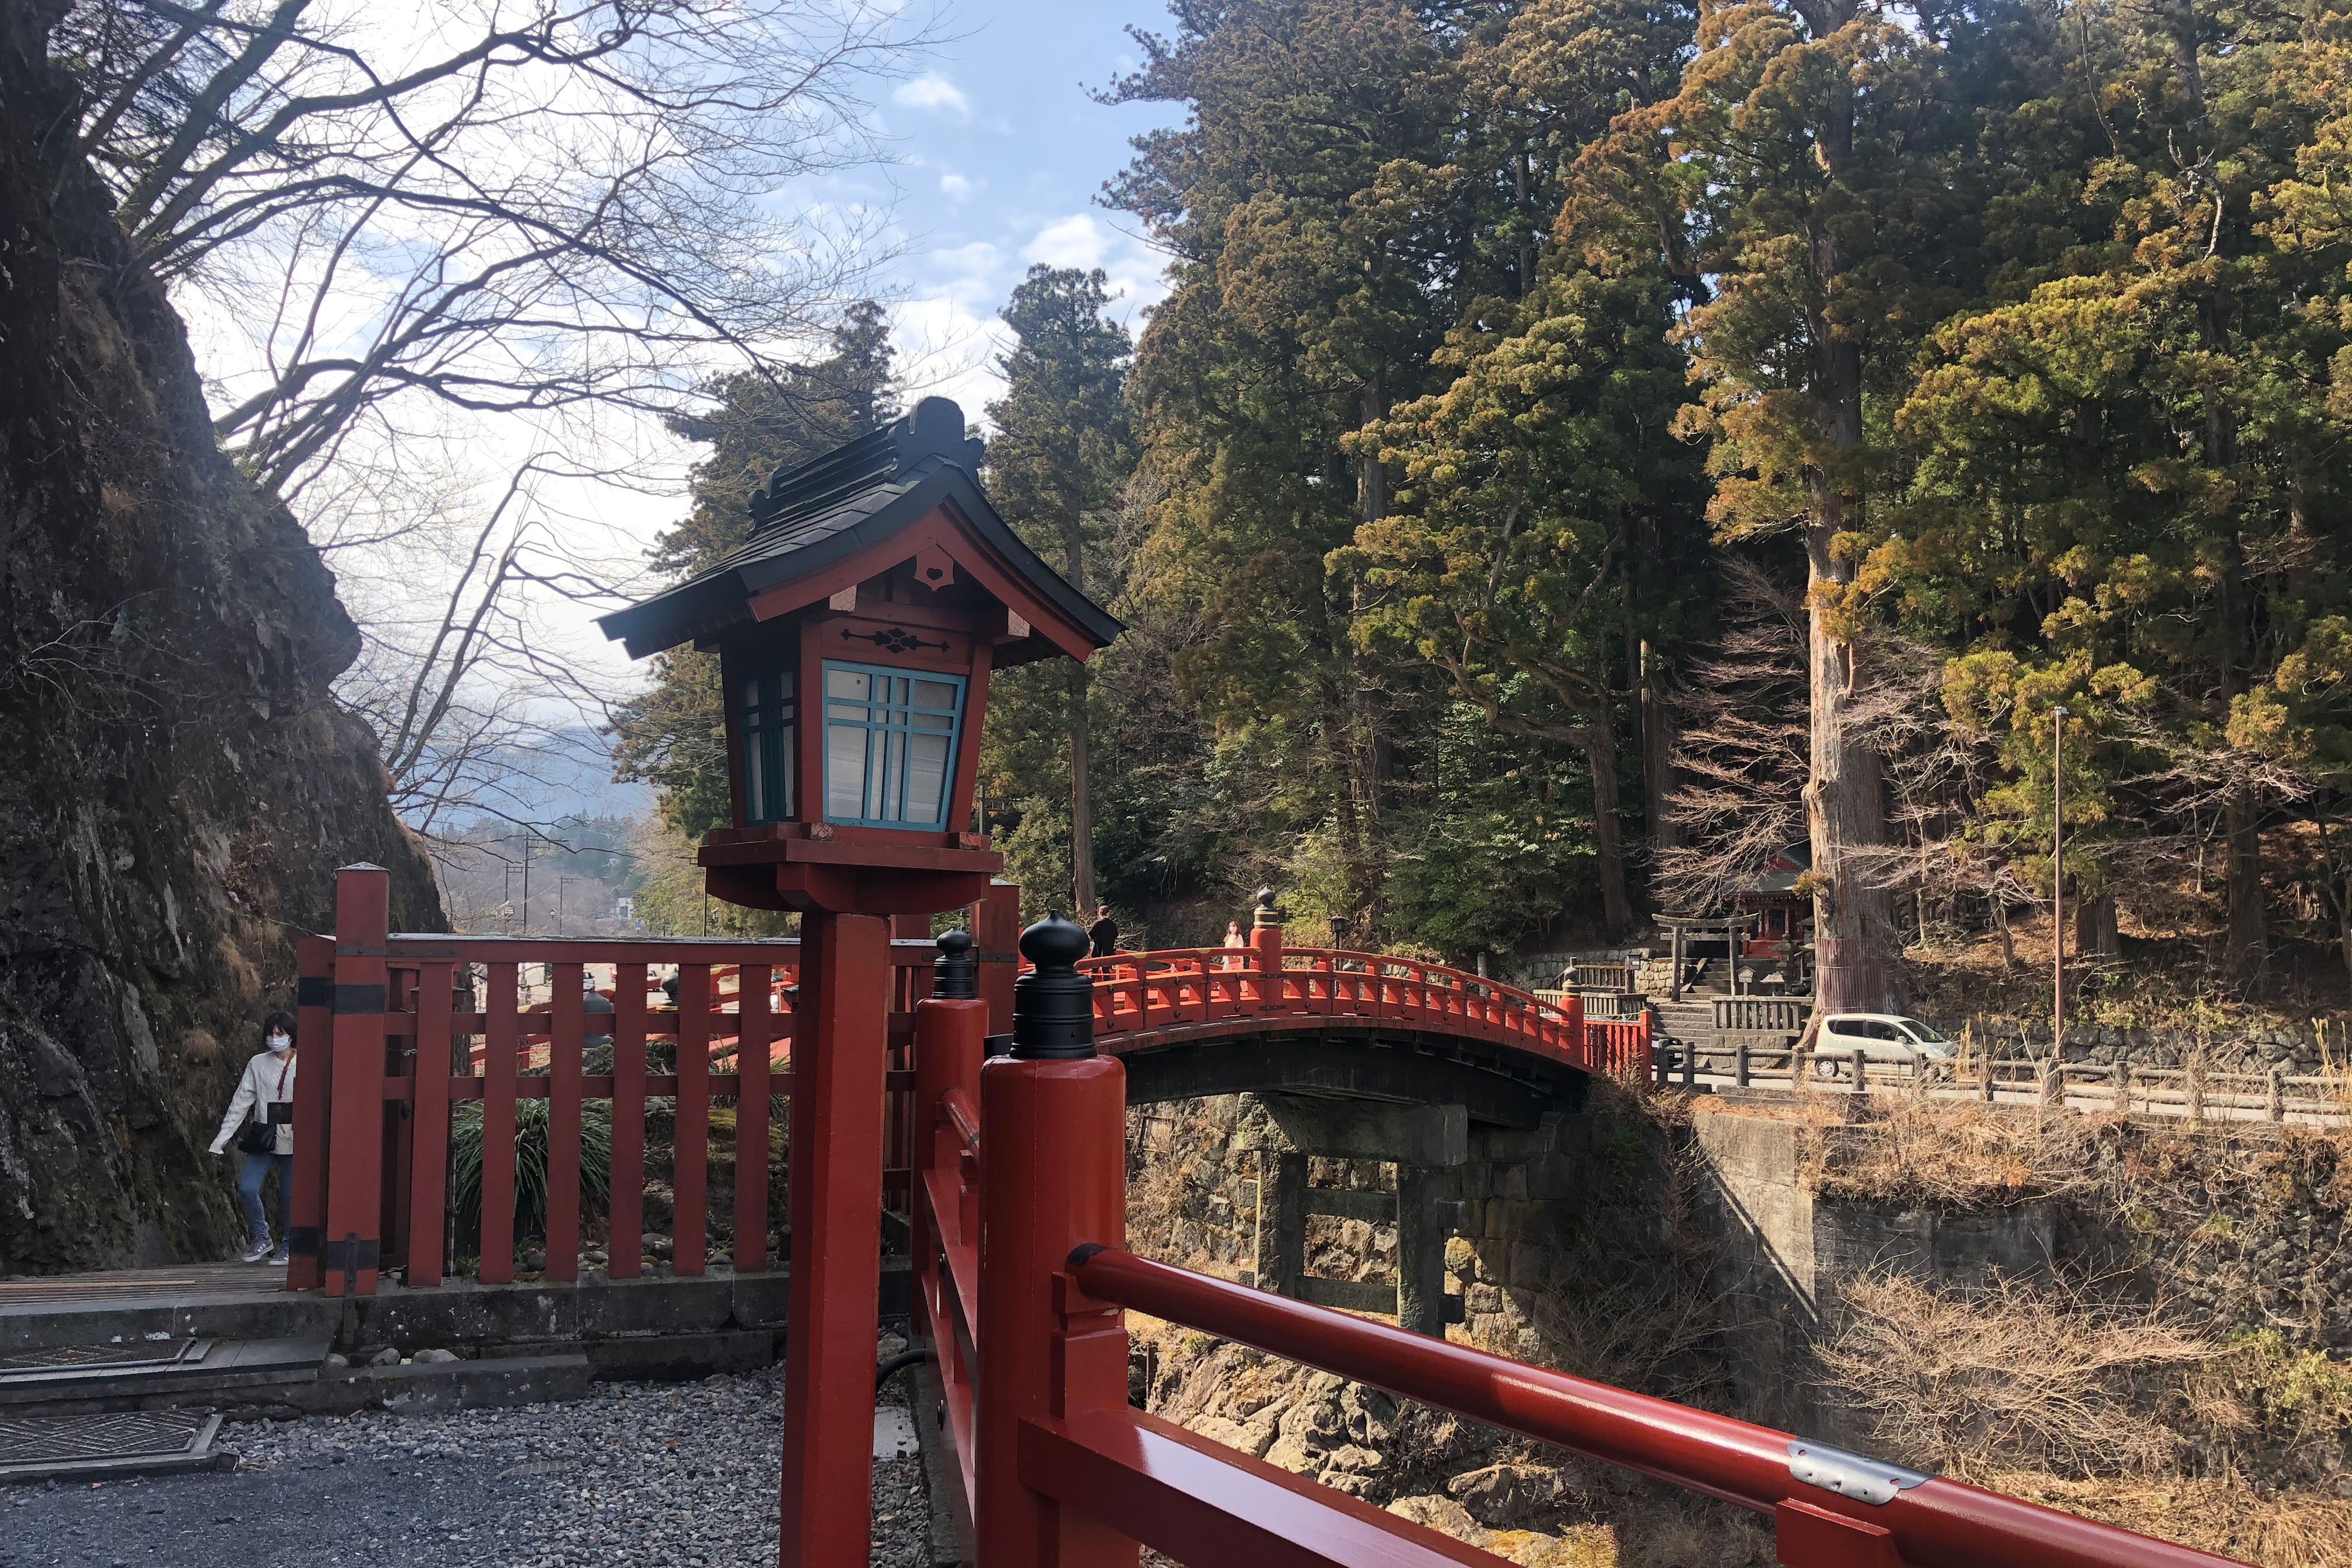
(450, 1025)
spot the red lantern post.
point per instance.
(856, 629)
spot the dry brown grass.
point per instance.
(2016, 1374)
(1953, 1155)
(2299, 1528)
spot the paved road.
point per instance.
(667, 1475)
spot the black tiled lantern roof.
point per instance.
(832, 506)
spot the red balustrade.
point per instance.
(387, 1061)
(1022, 1287)
(1149, 998)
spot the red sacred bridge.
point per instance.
(989, 1108)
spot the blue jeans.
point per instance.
(248, 1193)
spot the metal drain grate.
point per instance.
(135, 1352)
(124, 1434)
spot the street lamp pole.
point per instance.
(2057, 883)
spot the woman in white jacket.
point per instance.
(269, 1081)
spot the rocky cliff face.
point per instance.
(175, 784)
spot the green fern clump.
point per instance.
(530, 1157)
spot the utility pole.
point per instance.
(526, 883)
(560, 880)
(2057, 882)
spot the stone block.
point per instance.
(1511, 1181)
(1365, 1130)
(1531, 1266)
(1522, 1220)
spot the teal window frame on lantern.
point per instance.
(891, 738)
(764, 724)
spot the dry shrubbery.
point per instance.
(2223, 1515)
(1952, 1155)
(2106, 1409)
(2013, 1374)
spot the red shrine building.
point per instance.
(856, 630)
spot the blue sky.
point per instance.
(1001, 154)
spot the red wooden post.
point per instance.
(565, 1037)
(1053, 1179)
(502, 1026)
(314, 1014)
(690, 1142)
(840, 1042)
(351, 1248)
(399, 1062)
(950, 1025)
(627, 1194)
(429, 1170)
(751, 1043)
(996, 928)
(1265, 943)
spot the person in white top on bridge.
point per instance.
(266, 1092)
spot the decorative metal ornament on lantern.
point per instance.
(856, 629)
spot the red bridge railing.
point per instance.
(1021, 1285)
(1146, 998)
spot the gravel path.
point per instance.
(674, 1475)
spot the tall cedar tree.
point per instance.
(1308, 209)
(1541, 491)
(674, 734)
(1822, 149)
(2131, 493)
(1061, 455)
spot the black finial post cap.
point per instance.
(955, 973)
(1267, 915)
(1053, 1003)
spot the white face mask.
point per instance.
(281, 1043)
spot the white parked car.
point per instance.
(1885, 1039)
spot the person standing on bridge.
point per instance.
(266, 1142)
(1102, 937)
(1236, 943)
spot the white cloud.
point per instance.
(933, 94)
(1074, 241)
(957, 188)
(975, 263)
(1135, 272)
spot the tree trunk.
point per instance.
(1082, 799)
(2008, 937)
(1608, 837)
(2343, 924)
(2095, 927)
(2245, 946)
(1657, 757)
(1845, 813)
(1368, 748)
(1372, 478)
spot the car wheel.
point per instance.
(1825, 1068)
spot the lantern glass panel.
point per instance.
(889, 745)
(766, 726)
